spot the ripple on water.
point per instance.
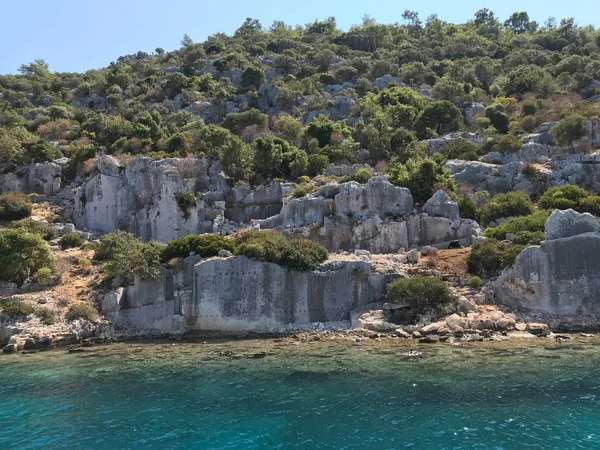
(322, 395)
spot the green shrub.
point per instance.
(362, 175)
(475, 282)
(304, 179)
(570, 197)
(421, 294)
(530, 171)
(82, 311)
(47, 316)
(299, 192)
(508, 144)
(467, 208)
(16, 309)
(44, 276)
(506, 205)
(528, 238)
(511, 253)
(205, 246)
(485, 259)
(534, 223)
(45, 230)
(185, 201)
(421, 176)
(461, 149)
(125, 255)
(317, 164)
(21, 254)
(296, 254)
(529, 108)
(236, 122)
(14, 206)
(71, 240)
(570, 130)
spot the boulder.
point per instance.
(267, 97)
(562, 224)
(413, 256)
(538, 329)
(441, 205)
(342, 108)
(472, 112)
(384, 81)
(225, 254)
(466, 306)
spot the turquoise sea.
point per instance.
(329, 394)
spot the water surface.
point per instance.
(327, 394)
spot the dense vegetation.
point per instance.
(418, 295)
(325, 101)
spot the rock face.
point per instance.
(563, 224)
(440, 205)
(41, 178)
(377, 217)
(240, 294)
(141, 198)
(494, 178)
(560, 277)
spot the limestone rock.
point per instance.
(441, 205)
(413, 256)
(562, 224)
(466, 306)
(383, 81)
(539, 329)
(225, 254)
(342, 108)
(39, 178)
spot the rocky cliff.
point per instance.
(559, 277)
(240, 294)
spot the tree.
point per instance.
(159, 51)
(126, 255)
(252, 78)
(420, 176)
(186, 41)
(441, 116)
(519, 23)
(570, 130)
(38, 68)
(21, 254)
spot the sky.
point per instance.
(78, 35)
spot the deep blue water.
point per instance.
(342, 395)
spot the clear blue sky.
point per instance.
(76, 35)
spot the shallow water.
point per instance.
(326, 394)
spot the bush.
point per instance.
(299, 192)
(506, 205)
(467, 208)
(205, 246)
(570, 129)
(530, 171)
(14, 206)
(570, 197)
(528, 238)
(47, 316)
(296, 254)
(362, 175)
(508, 144)
(45, 230)
(442, 117)
(529, 108)
(185, 201)
(485, 259)
(236, 122)
(16, 309)
(125, 255)
(71, 240)
(44, 276)
(82, 311)
(421, 294)
(475, 282)
(420, 176)
(534, 223)
(21, 254)
(317, 164)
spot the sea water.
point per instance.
(329, 394)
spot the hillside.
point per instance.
(308, 164)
